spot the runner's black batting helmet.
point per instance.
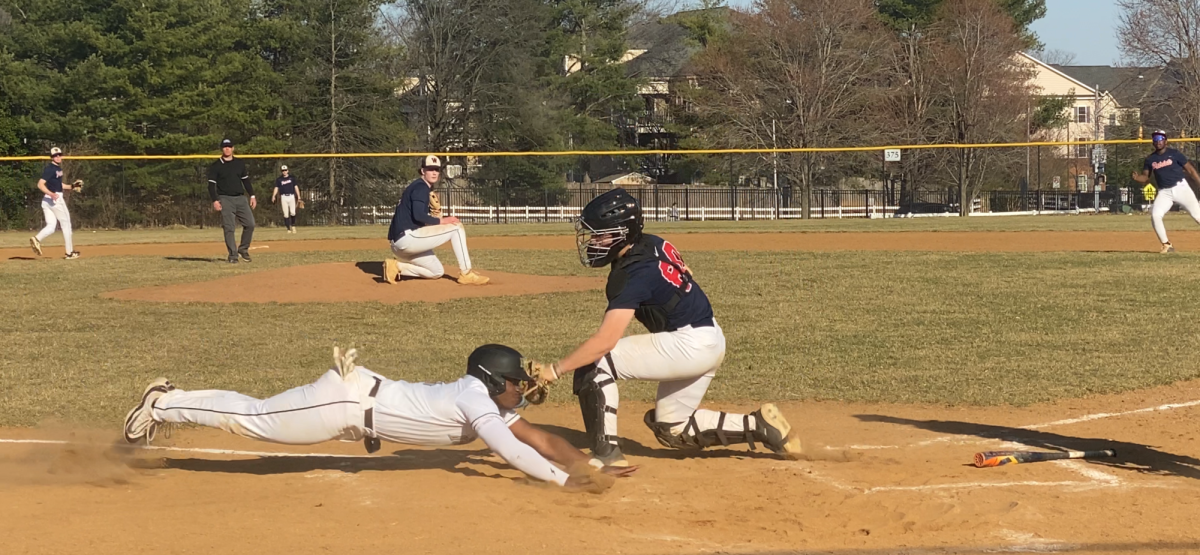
(493, 364)
(608, 223)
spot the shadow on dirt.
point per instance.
(1130, 456)
(635, 449)
(451, 460)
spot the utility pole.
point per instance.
(774, 159)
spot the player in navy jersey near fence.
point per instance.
(648, 280)
(287, 189)
(54, 206)
(1171, 171)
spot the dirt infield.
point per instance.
(348, 282)
(878, 479)
(1007, 241)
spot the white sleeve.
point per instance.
(495, 433)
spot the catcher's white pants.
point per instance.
(684, 363)
(56, 215)
(288, 203)
(327, 409)
(1180, 194)
(415, 250)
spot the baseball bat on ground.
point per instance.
(1000, 458)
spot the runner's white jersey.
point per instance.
(433, 413)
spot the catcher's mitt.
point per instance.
(77, 186)
(435, 205)
(300, 204)
(543, 375)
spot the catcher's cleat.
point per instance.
(1166, 248)
(472, 278)
(391, 270)
(245, 256)
(71, 255)
(140, 423)
(35, 245)
(613, 458)
(774, 431)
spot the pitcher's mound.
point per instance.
(349, 282)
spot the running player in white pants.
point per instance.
(649, 281)
(351, 403)
(54, 206)
(418, 226)
(1171, 170)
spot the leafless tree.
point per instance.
(1166, 33)
(980, 88)
(1055, 57)
(795, 73)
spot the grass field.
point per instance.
(942, 328)
(1105, 222)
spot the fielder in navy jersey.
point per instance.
(648, 280)
(1171, 171)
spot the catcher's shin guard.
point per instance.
(692, 437)
(598, 401)
(766, 426)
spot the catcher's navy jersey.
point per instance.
(53, 175)
(1167, 167)
(650, 279)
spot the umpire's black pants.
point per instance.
(236, 210)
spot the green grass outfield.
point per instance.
(954, 328)
(1081, 222)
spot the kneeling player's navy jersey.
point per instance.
(1167, 167)
(650, 279)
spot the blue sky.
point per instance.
(1085, 28)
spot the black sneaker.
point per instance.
(72, 255)
(245, 256)
(233, 260)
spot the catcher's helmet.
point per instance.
(493, 364)
(608, 223)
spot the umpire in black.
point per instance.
(228, 187)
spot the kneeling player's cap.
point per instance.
(226, 143)
(55, 151)
(282, 168)
(431, 161)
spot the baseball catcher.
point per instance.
(649, 281)
(351, 403)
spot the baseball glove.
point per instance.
(435, 205)
(543, 375)
(300, 204)
(77, 186)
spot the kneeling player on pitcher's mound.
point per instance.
(350, 403)
(649, 281)
(418, 227)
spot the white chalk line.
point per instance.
(960, 440)
(192, 449)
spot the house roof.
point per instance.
(1128, 85)
(614, 177)
(667, 50)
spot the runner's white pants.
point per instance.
(327, 409)
(684, 363)
(288, 203)
(1180, 194)
(415, 250)
(56, 214)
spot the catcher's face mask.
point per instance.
(596, 246)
